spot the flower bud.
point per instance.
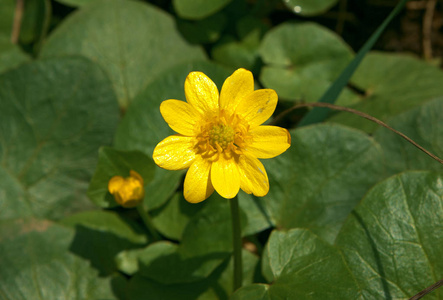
(129, 191)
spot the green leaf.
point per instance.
(218, 285)
(112, 162)
(132, 41)
(75, 3)
(331, 168)
(244, 51)
(36, 263)
(55, 115)
(309, 7)
(331, 95)
(106, 233)
(394, 233)
(143, 127)
(172, 218)
(203, 31)
(302, 59)
(35, 22)
(392, 84)
(198, 9)
(423, 125)
(11, 55)
(7, 17)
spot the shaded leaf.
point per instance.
(198, 9)
(11, 55)
(309, 7)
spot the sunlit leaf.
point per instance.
(389, 248)
(317, 182)
(132, 41)
(55, 115)
(302, 59)
(36, 263)
(392, 84)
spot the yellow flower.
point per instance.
(128, 192)
(220, 138)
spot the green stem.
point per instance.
(237, 243)
(148, 222)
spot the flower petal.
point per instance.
(175, 152)
(225, 177)
(268, 141)
(258, 106)
(253, 176)
(198, 186)
(180, 116)
(235, 88)
(201, 92)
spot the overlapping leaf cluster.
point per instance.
(355, 211)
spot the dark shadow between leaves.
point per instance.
(99, 247)
(173, 268)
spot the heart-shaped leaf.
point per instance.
(55, 115)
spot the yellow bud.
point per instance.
(129, 191)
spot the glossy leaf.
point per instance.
(132, 41)
(423, 125)
(309, 7)
(55, 115)
(112, 162)
(389, 248)
(302, 59)
(331, 168)
(36, 263)
(392, 84)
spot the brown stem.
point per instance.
(18, 15)
(427, 290)
(427, 28)
(358, 113)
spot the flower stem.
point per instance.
(148, 222)
(237, 243)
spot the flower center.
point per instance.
(221, 135)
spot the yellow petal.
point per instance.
(258, 106)
(253, 176)
(225, 177)
(268, 141)
(176, 152)
(115, 183)
(201, 93)
(198, 186)
(180, 116)
(236, 87)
